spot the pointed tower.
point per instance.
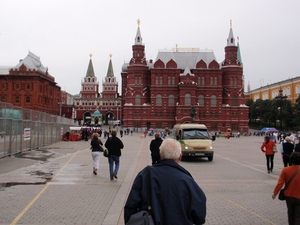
(90, 84)
(136, 85)
(233, 84)
(110, 84)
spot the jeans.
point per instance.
(111, 160)
(270, 160)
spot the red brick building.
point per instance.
(29, 85)
(92, 107)
(161, 93)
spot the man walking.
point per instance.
(176, 197)
(154, 148)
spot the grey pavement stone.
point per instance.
(236, 184)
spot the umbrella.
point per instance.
(268, 129)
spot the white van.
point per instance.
(195, 140)
(117, 123)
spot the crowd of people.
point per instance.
(165, 155)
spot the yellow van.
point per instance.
(195, 140)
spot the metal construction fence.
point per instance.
(24, 129)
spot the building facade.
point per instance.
(92, 107)
(290, 88)
(161, 93)
(29, 85)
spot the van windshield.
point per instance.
(195, 134)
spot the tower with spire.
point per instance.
(233, 79)
(95, 108)
(136, 83)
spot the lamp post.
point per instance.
(280, 97)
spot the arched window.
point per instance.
(156, 80)
(173, 80)
(201, 100)
(158, 100)
(213, 101)
(234, 101)
(187, 99)
(171, 100)
(216, 81)
(137, 100)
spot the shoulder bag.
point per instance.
(281, 195)
(144, 217)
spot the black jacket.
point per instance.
(154, 146)
(114, 146)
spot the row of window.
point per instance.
(286, 92)
(97, 103)
(16, 86)
(187, 100)
(201, 81)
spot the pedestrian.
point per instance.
(286, 151)
(154, 148)
(145, 133)
(121, 133)
(114, 146)
(96, 146)
(292, 193)
(176, 197)
(267, 148)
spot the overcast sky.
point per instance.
(64, 32)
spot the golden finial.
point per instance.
(138, 21)
(91, 55)
(230, 24)
(110, 55)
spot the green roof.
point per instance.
(90, 70)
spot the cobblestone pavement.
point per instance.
(63, 189)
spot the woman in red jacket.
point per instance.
(292, 193)
(267, 148)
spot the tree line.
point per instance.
(270, 112)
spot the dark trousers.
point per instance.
(286, 160)
(155, 158)
(293, 206)
(270, 162)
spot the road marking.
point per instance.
(235, 203)
(42, 191)
(247, 210)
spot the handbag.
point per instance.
(144, 217)
(281, 195)
(101, 148)
(274, 148)
(105, 152)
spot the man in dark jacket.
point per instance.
(154, 148)
(287, 148)
(114, 146)
(176, 197)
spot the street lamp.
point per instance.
(280, 97)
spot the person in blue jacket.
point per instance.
(176, 197)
